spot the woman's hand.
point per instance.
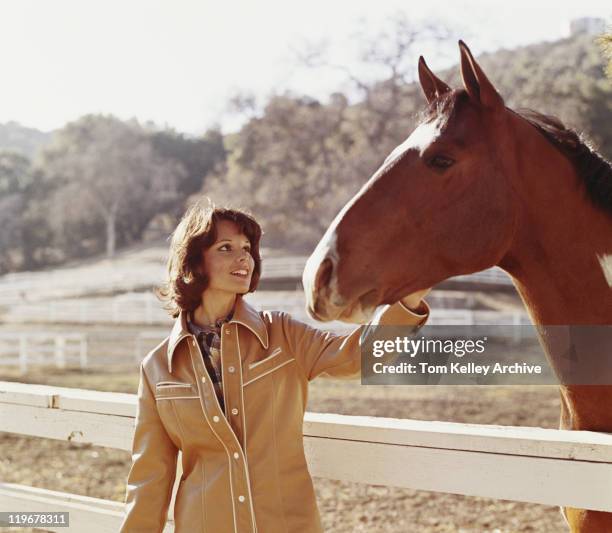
(413, 301)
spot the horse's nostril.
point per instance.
(324, 274)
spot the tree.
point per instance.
(14, 172)
(11, 228)
(106, 171)
(199, 156)
(15, 180)
(288, 167)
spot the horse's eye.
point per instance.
(441, 161)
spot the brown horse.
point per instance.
(476, 185)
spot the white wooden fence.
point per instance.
(512, 463)
(27, 348)
(131, 307)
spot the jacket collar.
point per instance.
(244, 315)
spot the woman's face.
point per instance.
(228, 262)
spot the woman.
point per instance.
(228, 388)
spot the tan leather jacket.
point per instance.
(243, 470)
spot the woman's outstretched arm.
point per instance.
(321, 352)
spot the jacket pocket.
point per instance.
(272, 363)
(265, 359)
(163, 384)
(170, 390)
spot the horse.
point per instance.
(475, 185)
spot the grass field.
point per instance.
(345, 507)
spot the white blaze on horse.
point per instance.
(476, 185)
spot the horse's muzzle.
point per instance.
(317, 288)
(318, 279)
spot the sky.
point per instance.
(178, 62)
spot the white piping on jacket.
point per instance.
(229, 459)
(244, 426)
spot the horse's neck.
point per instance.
(552, 298)
(560, 272)
(558, 255)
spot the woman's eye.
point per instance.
(227, 247)
(441, 161)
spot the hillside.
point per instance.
(14, 136)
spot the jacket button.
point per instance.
(241, 498)
(215, 418)
(231, 369)
(234, 411)
(203, 379)
(236, 455)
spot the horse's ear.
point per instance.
(475, 82)
(432, 86)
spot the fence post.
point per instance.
(83, 351)
(60, 352)
(23, 353)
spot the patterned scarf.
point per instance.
(209, 339)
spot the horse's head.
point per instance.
(440, 205)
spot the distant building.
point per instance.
(587, 26)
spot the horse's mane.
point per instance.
(592, 168)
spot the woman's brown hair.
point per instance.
(196, 232)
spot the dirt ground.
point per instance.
(345, 507)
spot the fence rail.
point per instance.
(569, 468)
